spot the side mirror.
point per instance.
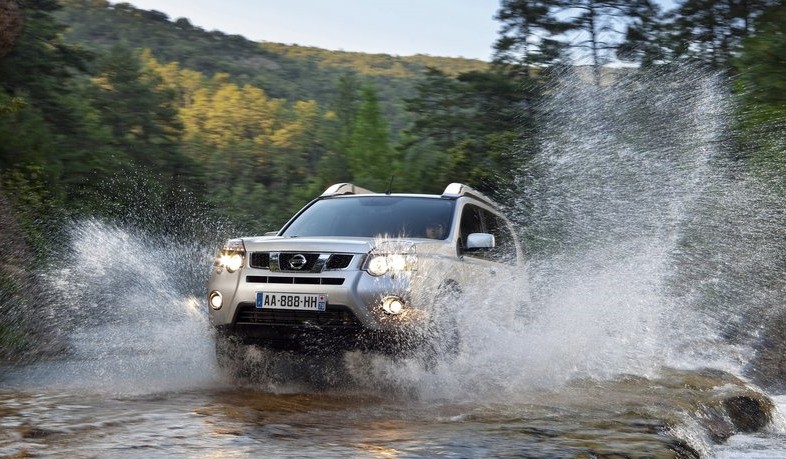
(480, 241)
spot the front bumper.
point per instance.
(353, 313)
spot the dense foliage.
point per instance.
(106, 109)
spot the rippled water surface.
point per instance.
(226, 420)
(320, 407)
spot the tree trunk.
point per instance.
(10, 25)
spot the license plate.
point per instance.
(292, 301)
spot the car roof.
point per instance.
(452, 191)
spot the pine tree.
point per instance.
(526, 35)
(644, 40)
(371, 158)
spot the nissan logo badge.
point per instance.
(297, 261)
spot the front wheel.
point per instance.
(227, 350)
(443, 338)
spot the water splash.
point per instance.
(621, 173)
(648, 228)
(650, 246)
(130, 305)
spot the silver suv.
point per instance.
(361, 270)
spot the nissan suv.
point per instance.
(361, 270)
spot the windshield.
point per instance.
(375, 216)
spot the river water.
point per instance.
(655, 260)
(315, 409)
(56, 410)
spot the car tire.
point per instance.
(226, 353)
(443, 339)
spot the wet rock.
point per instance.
(749, 413)
(730, 415)
(32, 432)
(682, 450)
(768, 366)
(723, 404)
(690, 410)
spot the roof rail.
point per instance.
(455, 190)
(345, 188)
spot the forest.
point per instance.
(106, 109)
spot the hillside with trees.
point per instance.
(284, 71)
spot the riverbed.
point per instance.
(326, 411)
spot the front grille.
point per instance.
(339, 261)
(334, 316)
(284, 258)
(315, 262)
(260, 260)
(294, 280)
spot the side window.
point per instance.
(471, 222)
(478, 220)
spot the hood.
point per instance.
(324, 244)
(309, 244)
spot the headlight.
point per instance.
(377, 265)
(391, 258)
(232, 255)
(232, 262)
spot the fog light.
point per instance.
(215, 299)
(393, 305)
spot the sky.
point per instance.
(450, 28)
(447, 28)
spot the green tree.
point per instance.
(335, 132)
(762, 65)
(465, 129)
(710, 32)
(597, 22)
(142, 119)
(140, 115)
(297, 150)
(498, 116)
(540, 34)
(645, 36)
(37, 78)
(525, 36)
(762, 82)
(440, 113)
(346, 106)
(372, 160)
(64, 141)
